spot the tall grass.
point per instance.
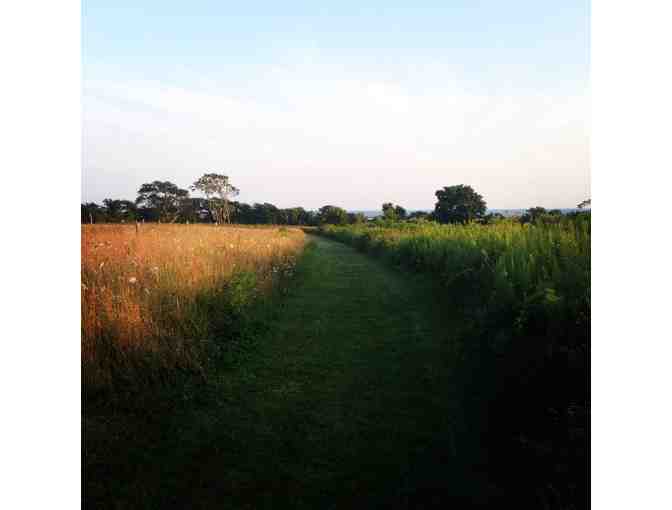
(529, 270)
(162, 299)
(524, 290)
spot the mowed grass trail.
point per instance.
(345, 402)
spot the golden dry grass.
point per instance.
(151, 298)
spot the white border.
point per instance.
(631, 354)
(40, 129)
(41, 157)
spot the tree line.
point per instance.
(165, 202)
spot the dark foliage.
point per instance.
(163, 196)
(332, 215)
(392, 212)
(523, 369)
(458, 204)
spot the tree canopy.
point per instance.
(354, 218)
(120, 210)
(164, 201)
(164, 196)
(330, 214)
(392, 212)
(535, 214)
(458, 204)
(218, 191)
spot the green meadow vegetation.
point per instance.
(524, 290)
(412, 361)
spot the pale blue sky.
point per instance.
(309, 103)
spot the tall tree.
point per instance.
(458, 204)
(218, 191)
(163, 196)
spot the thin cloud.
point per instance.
(309, 138)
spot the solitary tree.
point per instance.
(218, 191)
(458, 204)
(163, 196)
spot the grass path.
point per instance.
(344, 403)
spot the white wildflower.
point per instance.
(132, 280)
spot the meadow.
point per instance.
(523, 294)
(267, 367)
(158, 299)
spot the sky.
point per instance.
(305, 103)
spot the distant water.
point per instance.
(504, 212)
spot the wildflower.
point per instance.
(132, 280)
(101, 265)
